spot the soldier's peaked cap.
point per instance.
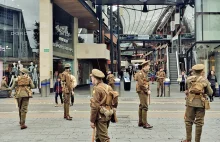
(145, 63)
(198, 67)
(67, 65)
(24, 70)
(97, 73)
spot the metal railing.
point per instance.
(177, 63)
(168, 63)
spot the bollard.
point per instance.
(43, 88)
(48, 87)
(118, 86)
(167, 87)
(91, 89)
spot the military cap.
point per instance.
(23, 70)
(97, 73)
(145, 62)
(67, 65)
(198, 67)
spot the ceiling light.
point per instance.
(143, 0)
(145, 8)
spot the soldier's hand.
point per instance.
(92, 125)
(149, 92)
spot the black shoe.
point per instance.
(147, 126)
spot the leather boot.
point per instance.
(64, 107)
(23, 126)
(147, 126)
(158, 91)
(140, 123)
(198, 133)
(188, 133)
(185, 141)
(68, 118)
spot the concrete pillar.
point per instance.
(75, 44)
(46, 41)
(217, 65)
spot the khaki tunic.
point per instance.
(4, 85)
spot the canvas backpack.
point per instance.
(197, 85)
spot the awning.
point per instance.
(81, 10)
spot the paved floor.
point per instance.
(45, 122)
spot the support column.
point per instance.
(75, 45)
(111, 38)
(46, 41)
(1, 71)
(118, 41)
(100, 22)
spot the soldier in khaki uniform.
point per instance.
(160, 79)
(23, 85)
(196, 102)
(98, 119)
(4, 86)
(111, 80)
(143, 91)
(67, 90)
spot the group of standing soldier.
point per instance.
(105, 100)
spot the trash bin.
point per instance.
(48, 87)
(127, 84)
(167, 87)
(43, 88)
(91, 89)
(118, 86)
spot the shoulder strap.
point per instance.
(103, 100)
(199, 78)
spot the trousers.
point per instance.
(102, 131)
(143, 108)
(22, 108)
(194, 115)
(67, 104)
(160, 86)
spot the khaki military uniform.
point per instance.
(99, 100)
(23, 86)
(195, 110)
(67, 91)
(4, 86)
(142, 88)
(111, 80)
(160, 79)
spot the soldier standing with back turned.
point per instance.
(143, 91)
(23, 85)
(67, 90)
(160, 79)
(196, 102)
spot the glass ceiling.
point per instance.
(138, 22)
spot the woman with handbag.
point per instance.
(213, 80)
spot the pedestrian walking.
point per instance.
(213, 80)
(23, 85)
(58, 91)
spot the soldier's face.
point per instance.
(146, 68)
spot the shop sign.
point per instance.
(46, 50)
(3, 49)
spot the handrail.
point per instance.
(168, 63)
(177, 63)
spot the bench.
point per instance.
(4, 93)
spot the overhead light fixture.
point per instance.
(145, 8)
(143, 0)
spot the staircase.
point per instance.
(173, 68)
